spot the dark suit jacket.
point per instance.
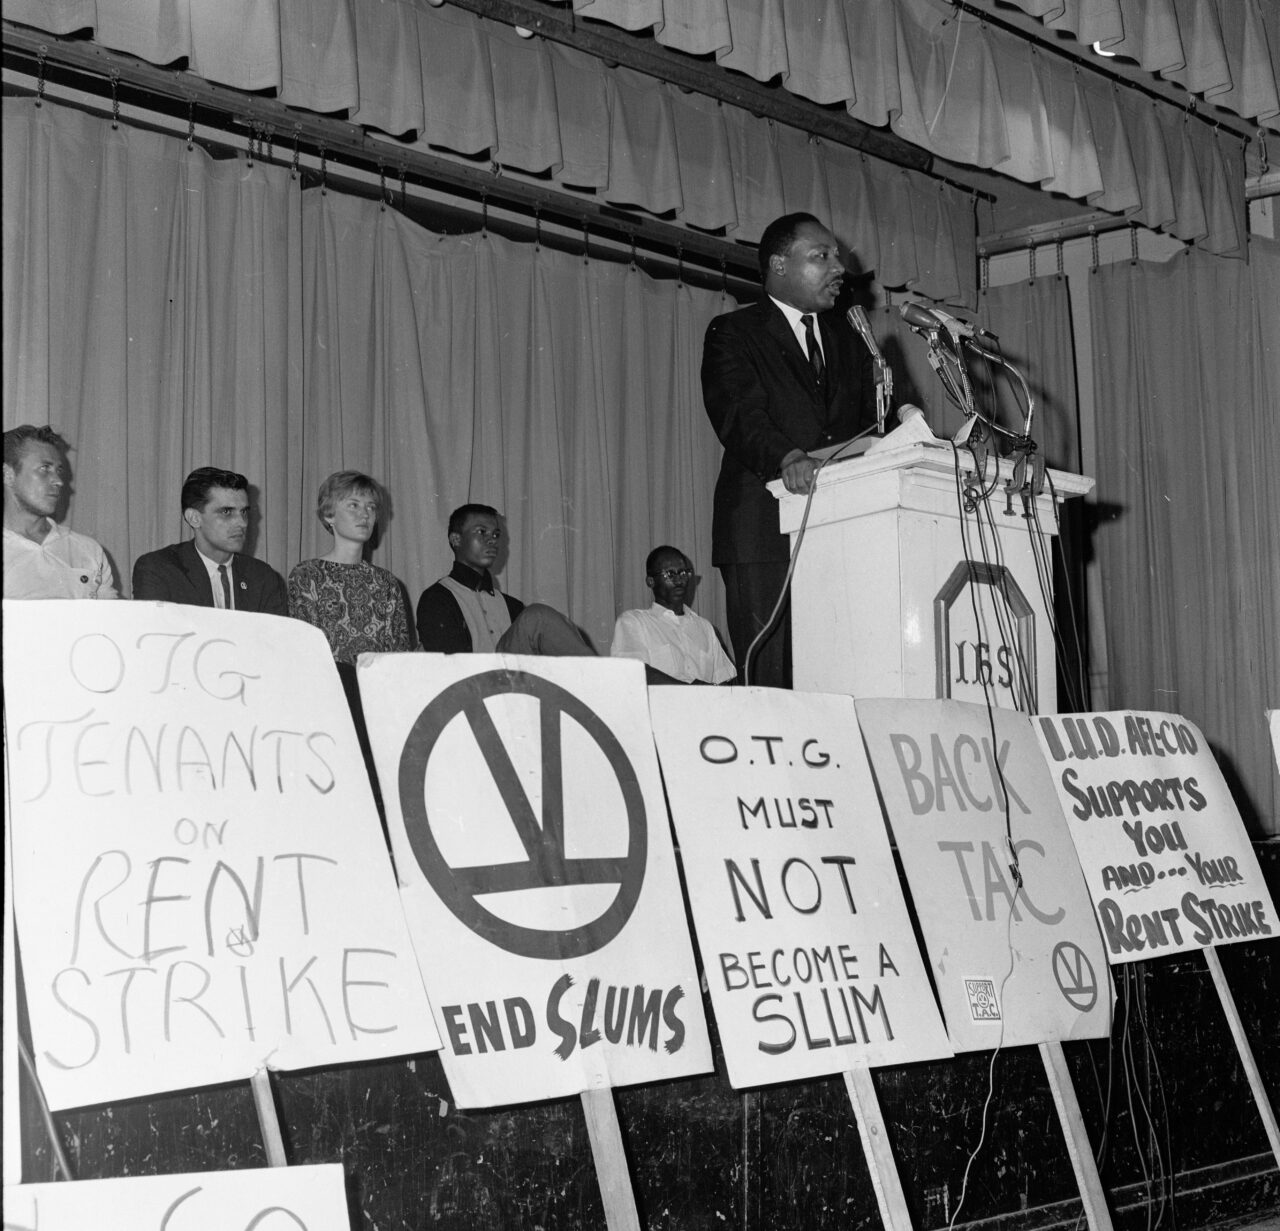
(176, 574)
(763, 401)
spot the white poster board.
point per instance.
(537, 871)
(1012, 964)
(202, 887)
(1164, 851)
(801, 923)
(267, 1199)
(9, 1022)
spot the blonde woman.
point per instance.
(357, 605)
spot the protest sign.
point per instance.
(537, 871)
(267, 1199)
(1001, 901)
(201, 884)
(1164, 851)
(12, 1138)
(803, 930)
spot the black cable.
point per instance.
(795, 552)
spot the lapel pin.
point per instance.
(244, 585)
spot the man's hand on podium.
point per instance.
(798, 469)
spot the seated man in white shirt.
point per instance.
(41, 558)
(669, 637)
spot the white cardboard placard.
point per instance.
(202, 887)
(801, 923)
(309, 1198)
(1164, 851)
(537, 871)
(1012, 965)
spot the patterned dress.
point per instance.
(358, 607)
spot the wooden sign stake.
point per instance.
(265, 1104)
(1078, 1148)
(1260, 1096)
(875, 1147)
(611, 1160)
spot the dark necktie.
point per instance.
(815, 351)
(226, 586)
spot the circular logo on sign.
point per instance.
(1074, 973)
(545, 865)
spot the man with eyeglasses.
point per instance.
(669, 637)
(209, 569)
(465, 612)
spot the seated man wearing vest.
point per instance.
(465, 612)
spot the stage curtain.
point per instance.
(1188, 400)
(165, 310)
(152, 314)
(563, 392)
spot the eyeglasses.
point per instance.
(675, 574)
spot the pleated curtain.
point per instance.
(1187, 383)
(440, 79)
(165, 310)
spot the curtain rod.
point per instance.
(646, 55)
(1028, 29)
(102, 73)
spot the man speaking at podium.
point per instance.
(780, 379)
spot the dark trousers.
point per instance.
(751, 590)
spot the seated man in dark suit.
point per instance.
(208, 570)
(465, 612)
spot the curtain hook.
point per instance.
(484, 214)
(724, 277)
(1133, 244)
(984, 269)
(44, 51)
(297, 136)
(191, 122)
(115, 100)
(1093, 245)
(324, 173)
(633, 250)
(586, 243)
(252, 137)
(404, 189)
(537, 228)
(1058, 252)
(382, 189)
(679, 264)
(1031, 263)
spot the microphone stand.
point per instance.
(884, 374)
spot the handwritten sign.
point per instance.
(1163, 848)
(537, 872)
(997, 888)
(201, 882)
(803, 930)
(268, 1199)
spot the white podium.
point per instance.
(907, 586)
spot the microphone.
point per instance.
(931, 320)
(858, 319)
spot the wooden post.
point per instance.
(875, 1147)
(265, 1104)
(1260, 1097)
(1078, 1148)
(611, 1160)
